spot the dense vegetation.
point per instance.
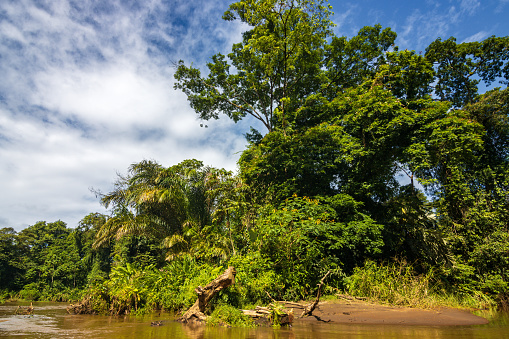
(387, 167)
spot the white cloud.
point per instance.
(477, 37)
(345, 21)
(427, 23)
(112, 96)
(469, 6)
(87, 90)
(501, 5)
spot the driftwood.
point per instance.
(205, 294)
(83, 307)
(29, 310)
(349, 297)
(267, 315)
(311, 307)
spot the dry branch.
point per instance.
(309, 309)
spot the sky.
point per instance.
(87, 88)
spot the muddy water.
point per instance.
(50, 320)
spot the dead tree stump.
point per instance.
(205, 294)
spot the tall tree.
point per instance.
(272, 71)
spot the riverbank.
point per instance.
(362, 312)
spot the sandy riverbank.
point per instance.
(361, 312)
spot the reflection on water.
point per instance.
(50, 320)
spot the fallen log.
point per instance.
(197, 312)
(349, 297)
(274, 315)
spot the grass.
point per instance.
(397, 283)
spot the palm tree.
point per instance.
(174, 204)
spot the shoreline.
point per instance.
(362, 312)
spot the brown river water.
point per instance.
(50, 320)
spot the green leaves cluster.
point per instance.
(48, 261)
(303, 238)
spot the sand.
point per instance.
(361, 312)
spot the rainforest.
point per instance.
(387, 168)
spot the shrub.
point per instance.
(31, 291)
(229, 315)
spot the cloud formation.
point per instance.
(87, 89)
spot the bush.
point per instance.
(304, 238)
(175, 283)
(395, 283)
(255, 278)
(31, 291)
(229, 315)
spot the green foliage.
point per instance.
(133, 289)
(11, 262)
(296, 163)
(398, 283)
(485, 272)
(50, 261)
(227, 315)
(256, 276)
(30, 292)
(168, 207)
(395, 283)
(350, 62)
(277, 311)
(303, 239)
(461, 67)
(53, 257)
(179, 279)
(172, 289)
(407, 75)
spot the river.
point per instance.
(50, 320)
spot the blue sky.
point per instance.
(87, 88)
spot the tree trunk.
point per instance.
(205, 294)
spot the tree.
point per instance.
(163, 205)
(275, 68)
(38, 241)
(11, 267)
(97, 261)
(476, 235)
(149, 201)
(461, 67)
(350, 62)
